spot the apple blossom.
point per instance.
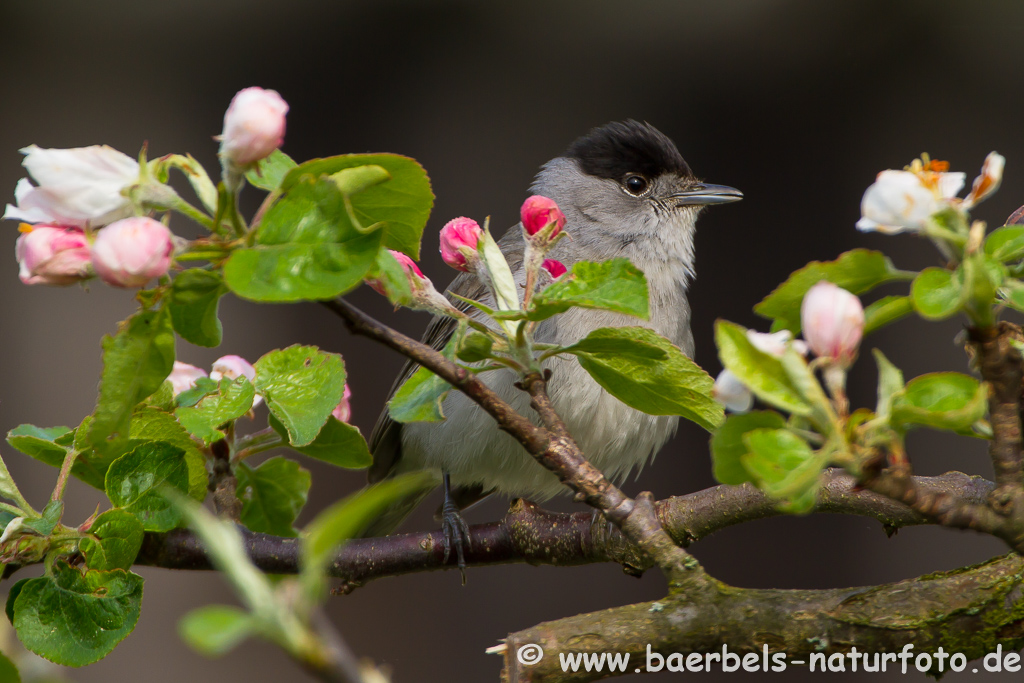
(183, 377)
(132, 251)
(343, 411)
(833, 322)
(732, 393)
(253, 126)
(901, 201)
(52, 255)
(554, 268)
(76, 187)
(538, 212)
(459, 238)
(989, 180)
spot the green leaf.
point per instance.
(784, 467)
(12, 596)
(615, 285)
(401, 204)
(307, 248)
(936, 293)
(646, 371)
(943, 400)
(391, 276)
(214, 630)
(233, 400)
(359, 178)
(420, 398)
(761, 372)
(74, 618)
(890, 381)
(727, 445)
(8, 489)
(886, 310)
(857, 271)
(475, 347)
(114, 540)
(163, 399)
(301, 385)
(338, 443)
(135, 363)
(982, 278)
(272, 495)
(269, 172)
(8, 672)
(39, 443)
(1006, 243)
(346, 518)
(503, 282)
(1012, 295)
(203, 387)
(193, 301)
(134, 482)
(150, 424)
(45, 525)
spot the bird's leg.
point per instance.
(456, 531)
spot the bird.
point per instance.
(625, 191)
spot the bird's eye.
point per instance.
(635, 184)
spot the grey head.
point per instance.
(625, 185)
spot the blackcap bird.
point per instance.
(626, 192)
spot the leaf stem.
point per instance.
(65, 472)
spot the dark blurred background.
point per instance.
(796, 102)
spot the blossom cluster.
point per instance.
(79, 218)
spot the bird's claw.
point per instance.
(456, 533)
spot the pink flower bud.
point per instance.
(183, 377)
(538, 212)
(253, 126)
(556, 269)
(343, 411)
(232, 367)
(833, 322)
(132, 251)
(52, 255)
(459, 238)
(415, 275)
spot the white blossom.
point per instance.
(76, 187)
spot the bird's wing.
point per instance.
(386, 438)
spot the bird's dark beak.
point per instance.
(704, 193)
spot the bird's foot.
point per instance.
(456, 534)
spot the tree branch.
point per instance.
(534, 536)
(552, 447)
(969, 611)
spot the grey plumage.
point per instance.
(605, 219)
